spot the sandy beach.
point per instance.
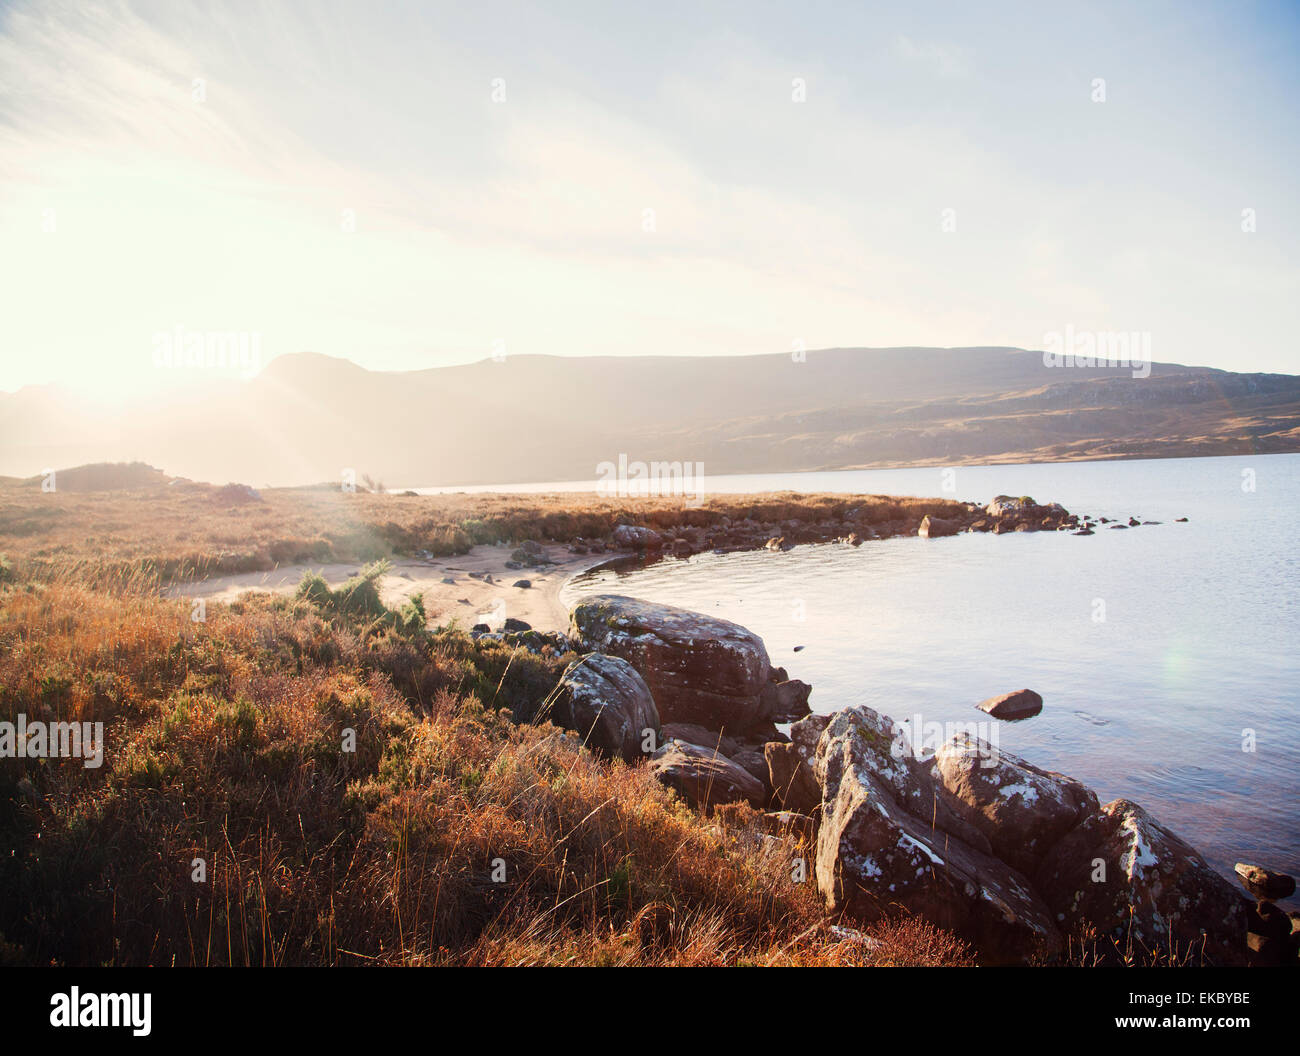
(471, 588)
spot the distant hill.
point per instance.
(543, 418)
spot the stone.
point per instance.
(788, 823)
(935, 527)
(888, 842)
(1022, 810)
(793, 783)
(704, 777)
(639, 538)
(512, 624)
(693, 733)
(1126, 875)
(785, 701)
(1021, 704)
(1004, 505)
(523, 584)
(1263, 883)
(608, 704)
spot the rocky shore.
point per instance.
(857, 525)
(1023, 863)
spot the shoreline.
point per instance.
(481, 585)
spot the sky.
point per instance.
(413, 185)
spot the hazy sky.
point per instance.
(410, 185)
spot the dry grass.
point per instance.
(225, 743)
(186, 530)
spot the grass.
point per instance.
(151, 530)
(357, 789)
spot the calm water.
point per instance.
(1200, 638)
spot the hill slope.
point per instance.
(543, 418)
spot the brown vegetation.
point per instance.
(185, 530)
(225, 743)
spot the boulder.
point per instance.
(785, 701)
(693, 733)
(752, 760)
(886, 843)
(1004, 505)
(639, 538)
(787, 823)
(705, 777)
(1128, 876)
(1024, 811)
(793, 783)
(700, 669)
(1263, 883)
(608, 704)
(1022, 704)
(805, 734)
(934, 527)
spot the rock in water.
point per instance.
(1022, 810)
(640, 538)
(607, 702)
(705, 777)
(889, 839)
(699, 668)
(1022, 704)
(1263, 883)
(1003, 505)
(1129, 877)
(934, 527)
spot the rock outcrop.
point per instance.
(700, 669)
(1123, 873)
(888, 841)
(1022, 810)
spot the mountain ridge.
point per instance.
(306, 417)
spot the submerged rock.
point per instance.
(1021, 704)
(1264, 883)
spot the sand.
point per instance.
(466, 599)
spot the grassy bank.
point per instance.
(455, 832)
(147, 527)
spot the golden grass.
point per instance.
(185, 530)
(453, 834)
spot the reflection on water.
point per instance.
(1157, 650)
